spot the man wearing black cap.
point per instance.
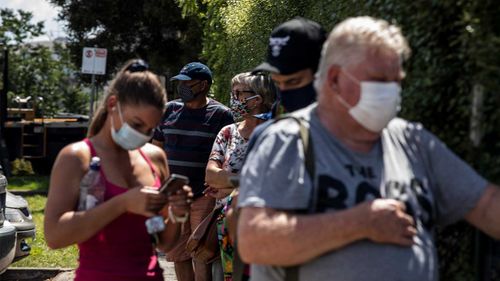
(187, 133)
(292, 59)
(293, 55)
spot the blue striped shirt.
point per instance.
(188, 135)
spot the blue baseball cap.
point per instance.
(194, 71)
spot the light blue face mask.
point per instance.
(127, 137)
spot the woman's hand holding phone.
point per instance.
(180, 201)
(179, 195)
(144, 201)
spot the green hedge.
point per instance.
(455, 46)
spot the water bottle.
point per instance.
(91, 187)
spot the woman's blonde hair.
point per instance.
(261, 84)
(134, 84)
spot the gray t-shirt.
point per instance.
(408, 163)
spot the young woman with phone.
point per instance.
(251, 95)
(112, 238)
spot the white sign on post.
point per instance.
(94, 60)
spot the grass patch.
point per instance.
(41, 255)
(29, 183)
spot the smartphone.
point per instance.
(174, 183)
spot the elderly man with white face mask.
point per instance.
(379, 187)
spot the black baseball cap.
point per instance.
(194, 71)
(294, 45)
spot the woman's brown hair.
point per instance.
(134, 84)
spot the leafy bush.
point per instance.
(22, 167)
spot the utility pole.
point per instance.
(92, 97)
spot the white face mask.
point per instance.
(127, 137)
(378, 104)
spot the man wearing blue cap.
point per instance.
(187, 133)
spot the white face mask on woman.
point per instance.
(127, 137)
(378, 104)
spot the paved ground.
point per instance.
(168, 270)
(34, 274)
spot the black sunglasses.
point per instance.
(138, 66)
(236, 94)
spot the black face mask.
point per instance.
(297, 98)
(186, 93)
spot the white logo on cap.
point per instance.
(277, 43)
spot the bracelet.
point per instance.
(177, 219)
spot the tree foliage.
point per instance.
(16, 27)
(152, 30)
(36, 70)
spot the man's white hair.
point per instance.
(352, 39)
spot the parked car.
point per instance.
(15, 217)
(19, 215)
(7, 231)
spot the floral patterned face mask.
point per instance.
(240, 108)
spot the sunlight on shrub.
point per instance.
(22, 167)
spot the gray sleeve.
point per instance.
(274, 175)
(456, 186)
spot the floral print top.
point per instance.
(229, 150)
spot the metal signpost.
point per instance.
(94, 62)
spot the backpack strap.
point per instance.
(304, 136)
(291, 272)
(309, 159)
(307, 145)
